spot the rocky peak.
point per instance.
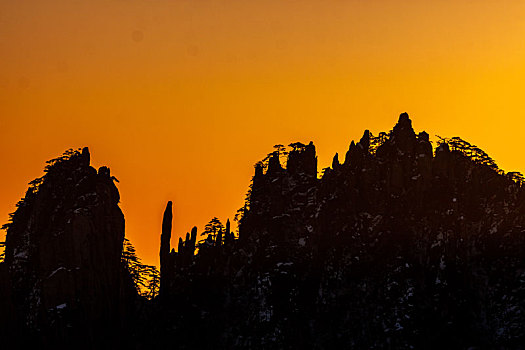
(395, 249)
(364, 143)
(85, 157)
(63, 250)
(302, 160)
(274, 165)
(403, 136)
(351, 153)
(357, 152)
(165, 239)
(335, 161)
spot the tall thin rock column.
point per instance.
(165, 237)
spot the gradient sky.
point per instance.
(181, 98)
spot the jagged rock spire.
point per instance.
(365, 141)
(274, 165)
(193, 239)
(218, 240)
(181, 245)
(349, 153)
(227, 237)
(86, 157)
(356, 153)
(403, 124)
(335, 161)
(403, 135)
(165, 237)
(424, 147)
(303, 160)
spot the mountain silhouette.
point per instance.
(400, 246)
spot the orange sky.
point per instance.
(181, 98)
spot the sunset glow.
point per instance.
(181, 98)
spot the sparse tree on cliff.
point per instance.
(153, 278)
(471, 151)
(213, 227)
(376, 141)
(133, 264)
(297, 146)
(146, 278)
(279, 151)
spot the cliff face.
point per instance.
(397, 247)
(394, 248)
(63, 251)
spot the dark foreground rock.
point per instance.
(397, 247)
(63, 259)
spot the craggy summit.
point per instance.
(398, 247)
